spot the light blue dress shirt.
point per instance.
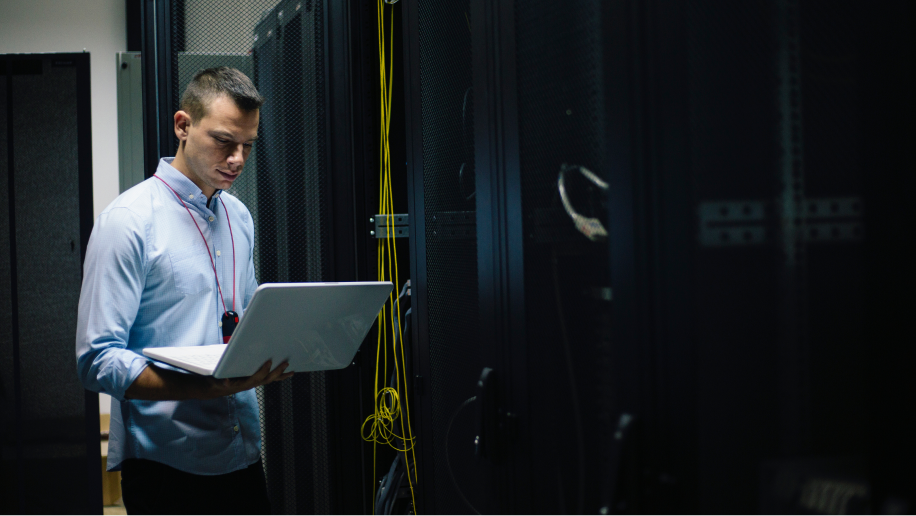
(148, 282)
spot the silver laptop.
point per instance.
(313, 326)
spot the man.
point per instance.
(166, 262)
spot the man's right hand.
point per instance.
(264, 376)
(158, 384)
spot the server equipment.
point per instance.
(678, 215)
(444, 200)
(654, 248)
(50, 425)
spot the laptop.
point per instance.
(313, 326)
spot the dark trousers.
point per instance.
(150, 487)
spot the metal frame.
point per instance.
(156, 45)
(84, 129)
(132, 9)
(14, 270)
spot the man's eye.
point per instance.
(221, 140)
(248, 145)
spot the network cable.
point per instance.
(387, 400)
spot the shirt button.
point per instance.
(211, 218)
(236, 428)
(191, 196)
(217, 252)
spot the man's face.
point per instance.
(215, 148)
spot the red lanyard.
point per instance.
(212, 262)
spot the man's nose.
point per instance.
(236, 160)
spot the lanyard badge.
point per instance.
(230, 318)
(230, 321)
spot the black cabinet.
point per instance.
(676, 259)
(50, 433)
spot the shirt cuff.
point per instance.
(118, 378)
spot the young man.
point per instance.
(167, 260)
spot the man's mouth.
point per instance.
(227, 176)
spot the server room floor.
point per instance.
(114, 510)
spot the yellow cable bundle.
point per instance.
(388, 400)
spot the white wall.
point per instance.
(99, 27)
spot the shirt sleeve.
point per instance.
(114, 275)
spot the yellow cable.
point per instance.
(387, 405)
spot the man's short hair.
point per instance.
(209, 84)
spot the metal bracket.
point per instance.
(737, 223)
(397, 223)
(729, 223)
(831, 220)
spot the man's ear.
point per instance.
(182, 123)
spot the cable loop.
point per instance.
(588, 226)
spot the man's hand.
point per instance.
(262, 377)
(158, 384)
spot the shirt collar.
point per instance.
(179, 182)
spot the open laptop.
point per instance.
(313, 326)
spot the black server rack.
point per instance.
(269, 154)
(512, 302)
(543, 155)
(311, 427)
(680, 215)
(50, 430)
(443, 241)
(557, 95)
(753, 179)
(292, 167)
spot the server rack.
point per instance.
(715, 354)
(439, 102)
(753, 230)
(50, 431)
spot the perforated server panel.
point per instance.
(50, 425)
(289, 70)
(444, 248)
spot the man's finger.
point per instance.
(278, 371)
(264, 371)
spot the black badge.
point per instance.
(230, 321)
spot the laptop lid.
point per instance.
(314, 326)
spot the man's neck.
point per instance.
(181, 165)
